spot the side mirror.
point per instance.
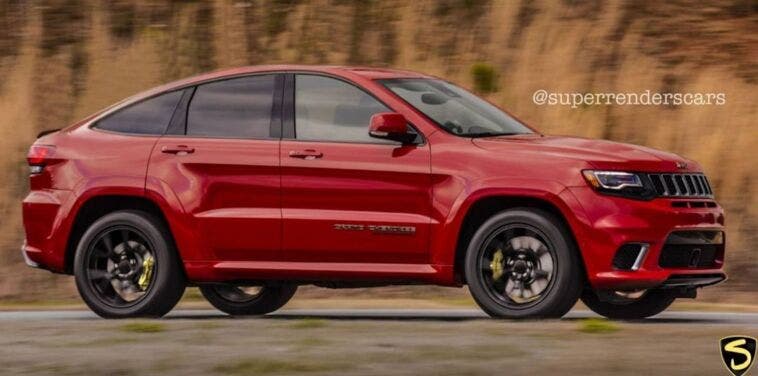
(391, 126)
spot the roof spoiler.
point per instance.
(47, 132)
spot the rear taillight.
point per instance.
(38, 157)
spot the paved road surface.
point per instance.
(372, 342)
(671, 317)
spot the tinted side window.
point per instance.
(238, 107)
(150, 116)
(328, 109)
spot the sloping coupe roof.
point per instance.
(341, 71)
(351, 73)
(344, 71)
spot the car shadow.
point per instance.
(424, 316)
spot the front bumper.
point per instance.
(610, 222)
(691, 281)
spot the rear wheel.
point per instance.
(248, 300)
(521, 263)
(126, 266)
(629, 305)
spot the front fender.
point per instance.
(444, 241)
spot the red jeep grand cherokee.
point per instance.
(252, 181)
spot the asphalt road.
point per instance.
(371, 342)
(671, 317)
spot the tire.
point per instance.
(232, 300)
(565, 278)
(132, 235)
(651, 303)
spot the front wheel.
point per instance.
(248, 300)
(629, 305)
(522, 263)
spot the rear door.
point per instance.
(221, 160)
(347, 197)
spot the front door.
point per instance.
(347, 197)
(222, 164)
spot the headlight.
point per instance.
(612, 179)
(617, 183)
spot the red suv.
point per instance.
(251, 181)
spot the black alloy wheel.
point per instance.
(522, 263)
(126, 266)
(120, 266)
(631, 305)
(245, 300)
(517, 265)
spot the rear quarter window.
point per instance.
(150, 116)
(233, 108)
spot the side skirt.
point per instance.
(204, 272)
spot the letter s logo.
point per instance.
(734, 347)
(738, 353)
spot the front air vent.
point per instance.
(692, 249)
(630, 256)
(681, 185)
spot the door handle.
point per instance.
(178, 150)
(306, 154)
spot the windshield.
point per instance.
(454, 109)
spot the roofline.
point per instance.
(348, 72)
(337, 70)
(345, 72)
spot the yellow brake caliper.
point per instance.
(497, 265)
(147, 272)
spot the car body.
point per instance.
(330, 207)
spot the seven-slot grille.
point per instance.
(681, 185)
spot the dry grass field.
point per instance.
(61, 60)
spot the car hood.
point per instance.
(600, 154)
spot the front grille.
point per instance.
(681, 185)
(692, 249)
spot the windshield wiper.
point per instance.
(491, 134)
